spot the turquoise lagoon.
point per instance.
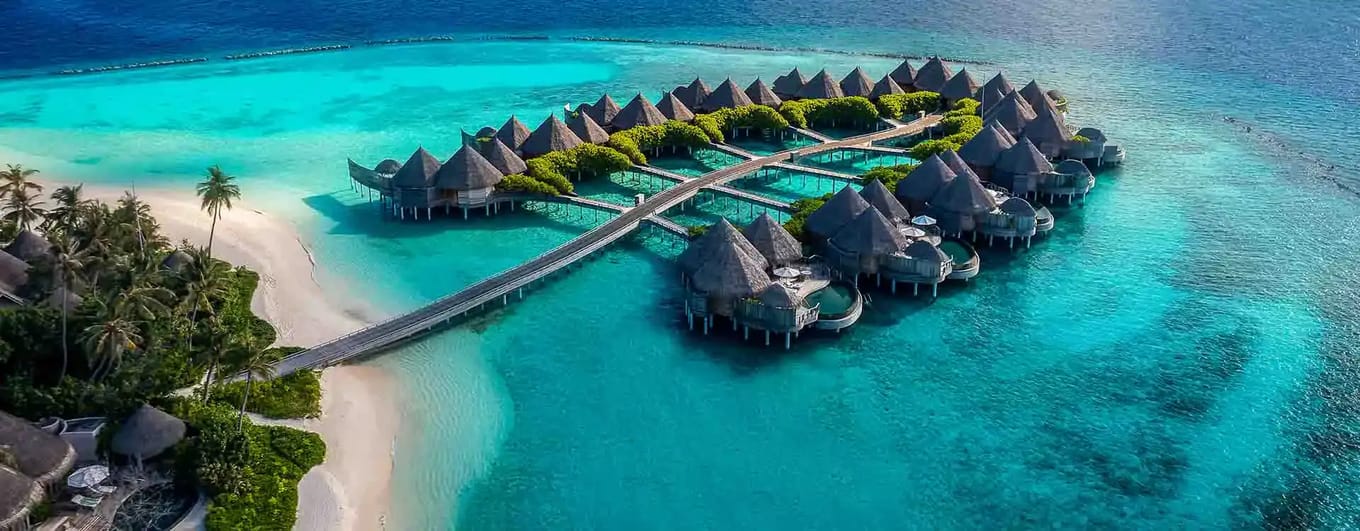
(1176, 354)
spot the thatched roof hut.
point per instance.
(964, 195)
(836, 213)
(924, 251)
(961, 86)
(777, 295)
(987, 97)
(467, 170)
(821, 86)
(177, 261)
(418, 172)
(1000, 84)
(41, 456)
(933, 75)
(147, 433)
(29, 246)
(1048, 133)
(773, 241)
(727, 95)
(984, 148)
(1034, 94)
(513, 133)
(694, 94)
(468, 140)
(587, 130)
(388, 167)
(1018, 207)
(503, 158)
(551, 135)
(729, 271)
(18, 495)
(486, 132)
(904, 75)
(869, 234)
(692, 258)
(1073, 167)
(762, 95)
(13, 274)
(926, 180)
(790, 84)
(603, 110)
(878, 196)
(672, 108)
(885, 87)
(639, 112)
(1012, 112)
(857, 83)
(952, 159)
(994, 124)
(1023, 158)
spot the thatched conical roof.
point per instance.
(1048, 133)
(727, 95)
(984, 148)
(923, 182)
(933, 75)
(821, 86)
(762, 95)
(13, 273)
(1013, 113)
(639, 112)
(1072, 167)
(857, 83)
(418, 172)
(603, 110)
(177, 261)
(1034, 95)
(869, 234)
(838, 211)
(988, 97)
(1018, 207)
(672, 108)
(729, 272)
(951, 158)
(467, 170)
(694, 255)
(1000, 84)
(388, 167)
(486, 132)
(790, 84)
(904, 75)
(994, 124)
(41, 456)
(147, 432)
(923, 250)
(1023, 158)
(885, 87)
(587, 130)
(777, 295)
(964, 195)
(773, 241)
(961, 86)
(1092, 134)
(551, 135)
(468, 140)
(513, 133)
(503, 158)
(694, 94)
(29, 246)
(878, 196)
(18, 496)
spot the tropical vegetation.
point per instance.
(898, 105)
(803, 208)
(758, 117)
(833, 112)
(636, 142)
(586, 160)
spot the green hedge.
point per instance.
(583, 160)
(964, 107)
(802, 208)
(235, 312)
(295, 396)
(898, 105)
(754, 116)
(634, 141)
(925, 149)
(856, 110)
(523, 183)
(967, 124)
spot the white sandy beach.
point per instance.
(350, 490)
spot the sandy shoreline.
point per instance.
(350, 490)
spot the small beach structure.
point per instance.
(694, 94)
(13, 277)
(857, 83)
(838, 211)
(904, 75)
(639, 112)
(673, 109)
(586, 129)
(960, 86)
(29, 246)
(603, 110)
(790, 84)
(552, 135)
(726, 96)
(922, 183)
(513, 133)
(933, 75)
(885, 87)
(762, 95)
(146, 433)
(33, 461)
(821, 86)
(176, 261)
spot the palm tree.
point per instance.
(67, 263)
(217, 192)
(106, 343)
(24, 208)
(257, 363)
(143, 302)
(15, 178)
(219, 346)
(134, 217)
(205, 280)
(70, 207)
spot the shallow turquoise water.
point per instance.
(853, 162)
(1177, 354)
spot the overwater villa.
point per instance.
(694, 94)
(960, 86)
(726, 96)
(932, 76)
(790, 84)
(673, 109)
(857, 83)
(821, 86)
(762, 95)
(759, 280)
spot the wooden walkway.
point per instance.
(813, 134)
(880, 149)
(658, 172)
(670, 226)
(817, 171)
(756, 199)
(734, 151)
(502, 285)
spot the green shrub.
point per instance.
(802, 208)
(964, 107)
(753, 116)
(854, 110)
(925, 149)
(583, 160)
(967, 124)
(889, 175)
(525, 184)
(709, 125)
(295, 396)
(899, 105)
(696, 231)
(235, 312)
(635, 141)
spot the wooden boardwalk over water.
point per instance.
(510, 282)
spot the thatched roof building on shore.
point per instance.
(762, 95)
(727, 96)
(33, 461)
(857, 83)
(773, 241)
(29, 246)
(147, 433)
(904, 75)
(821, 86)
(639, 112)
(587, 129)
(922, 183)
(503, 158)
(672, 108)
(13, 277)
(790, 84)
(885, 87)
(836, 213)
(933, 75)
(960, 86)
